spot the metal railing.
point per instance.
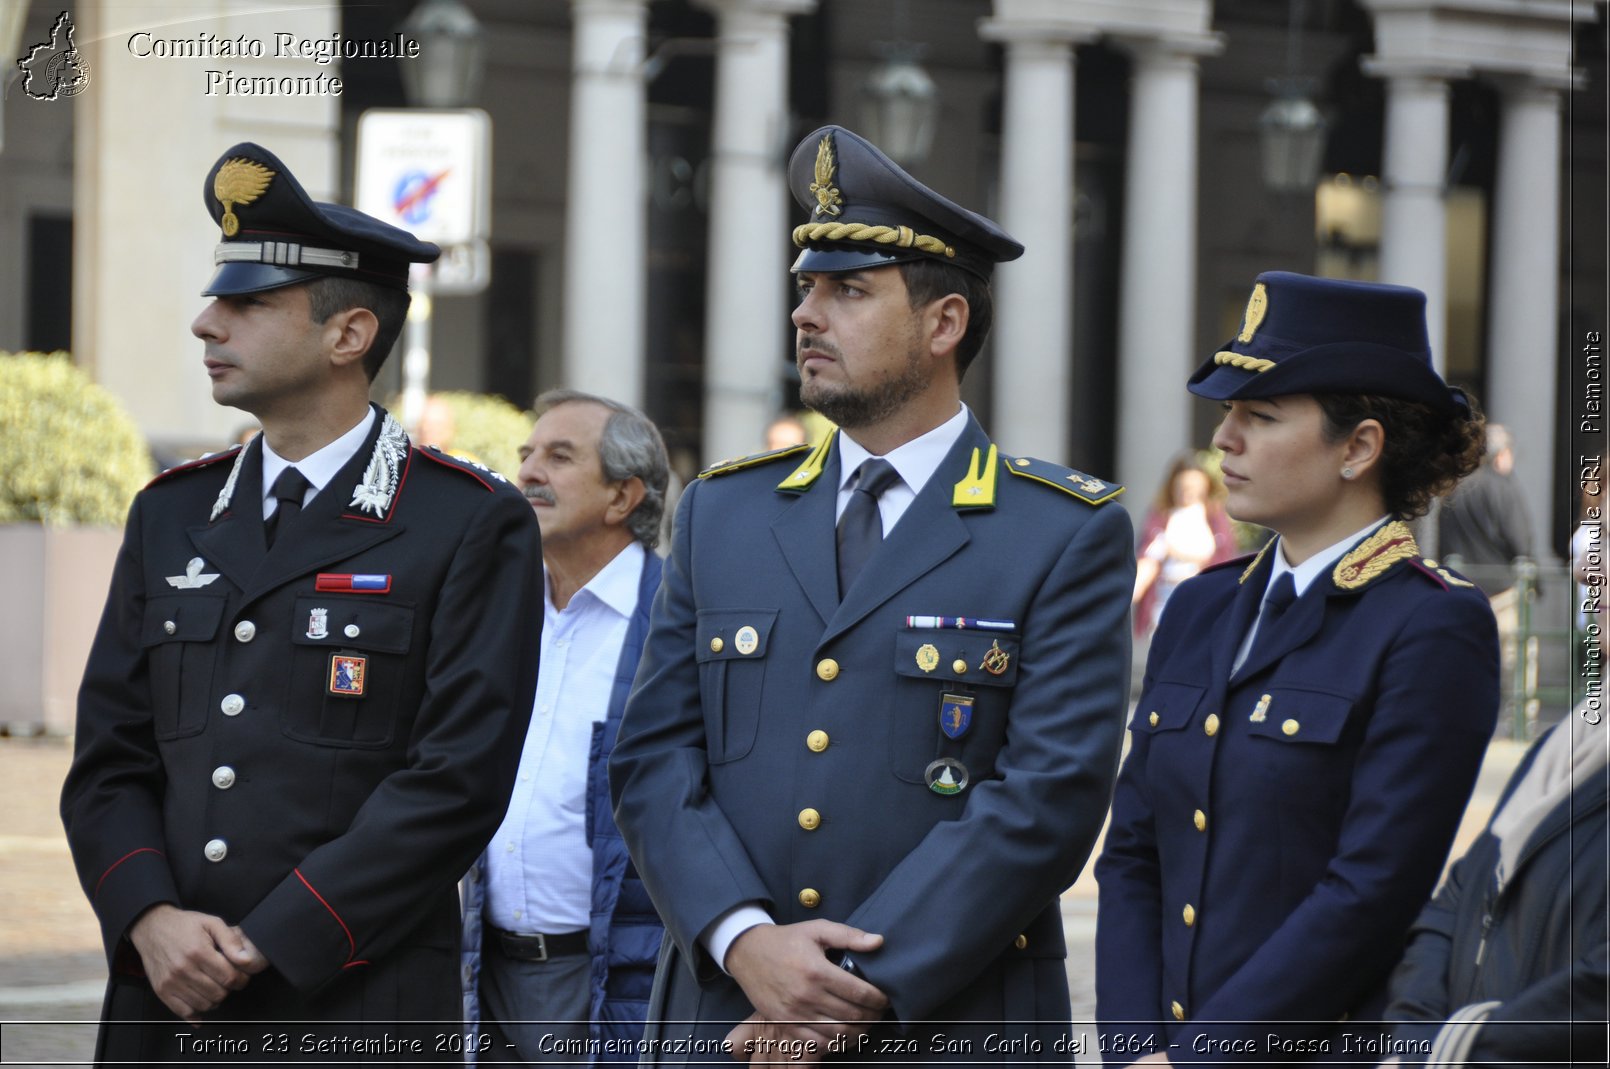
(1538, 632)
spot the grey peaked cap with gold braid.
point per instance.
(866, 212)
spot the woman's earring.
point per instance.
(1347, 473)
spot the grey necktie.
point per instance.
(861, 527)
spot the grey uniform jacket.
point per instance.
(778, 742)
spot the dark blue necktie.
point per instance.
(861, 527)
(290, 488)
(1281, 593)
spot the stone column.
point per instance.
(1156, 314)
(606, 235)
(1032, 350)
(1524, 292)
(746, 311)
(144, 132)
(1414, 220)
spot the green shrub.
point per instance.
(69, 453)
(488, 429)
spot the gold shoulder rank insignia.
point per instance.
(239, 181)
(722, 467)
(1392, 543)
(1087, 488)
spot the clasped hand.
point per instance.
(802, 1000)
(193, 960)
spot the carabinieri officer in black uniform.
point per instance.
(876, 721)
(1313, 718)
(302, 712)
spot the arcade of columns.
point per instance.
(1422, 45)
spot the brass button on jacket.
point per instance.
(716, 645)
(827, 669)
(810, 819)
(1199, 818)
(1211, 725)
(816, 741)
(810, 898)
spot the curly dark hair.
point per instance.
(1425, 452)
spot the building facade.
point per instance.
(639, 215)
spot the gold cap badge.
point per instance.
(239, 181)
(828, 199)
(1257, 305)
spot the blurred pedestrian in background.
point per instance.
(1484, 527)
(786, 430)
(1186, 529)
(1312, 720)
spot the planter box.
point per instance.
(54, 581)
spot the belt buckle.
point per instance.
(542, 947)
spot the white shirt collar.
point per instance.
(616, 583)
(1304, 574)
(320, 466)
(915, 461)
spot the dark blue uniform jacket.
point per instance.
(1275, 833)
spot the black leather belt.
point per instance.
(519, 946)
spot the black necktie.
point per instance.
(290, 488)
(861, 528)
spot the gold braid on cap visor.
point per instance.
(1246, 363)
(901, 236)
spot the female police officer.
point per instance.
(1312, 721)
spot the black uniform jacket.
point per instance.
(313, 741)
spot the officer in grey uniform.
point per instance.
(302, 713)
(877, 718)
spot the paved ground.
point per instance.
(51, 969)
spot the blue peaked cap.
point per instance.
(1302, 334)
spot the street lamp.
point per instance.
(452, 49)
(1292, 128)
(1293, 136)
(900, 104)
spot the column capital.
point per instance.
(774, 9)
(1170, 48)
(1404, 69)
(1037, 31)
(1539, 88)
(584, 8)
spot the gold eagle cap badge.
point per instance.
(1257, 305)
(828, 199)
(238, 181)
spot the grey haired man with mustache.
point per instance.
(542, 976)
